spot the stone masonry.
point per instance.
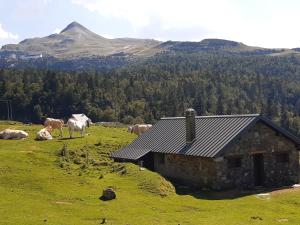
(216, 173)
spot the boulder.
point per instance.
(108, 194)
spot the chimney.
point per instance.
(190, 125)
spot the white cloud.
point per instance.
(168, 14)
(109, 36)
(57, 31)
(268, 23)
(171, 13)
(7, 36)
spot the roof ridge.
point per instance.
(214, 116)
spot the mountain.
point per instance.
(216, 45)
(78, 48)
(77, 41)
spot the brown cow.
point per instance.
(55, 124)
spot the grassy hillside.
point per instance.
(40, 186)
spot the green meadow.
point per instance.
(60, 181)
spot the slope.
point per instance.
(39, 186)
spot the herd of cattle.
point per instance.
(75, 123)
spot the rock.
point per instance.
(256, 218)
(108, 194)
(103, 221)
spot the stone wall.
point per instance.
(215, 173)
(260, 139)
(190, 170)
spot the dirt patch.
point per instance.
(63, 203)
(263, 196)
(26, 151)
(277, 192)
(284, 191)
(282, 220)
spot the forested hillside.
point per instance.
(163, 85)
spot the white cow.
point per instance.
(139, 129)
(44, 134)
(78, 125)
(13, 134)
(129, 129)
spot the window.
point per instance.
(282, 157)
(161, 158)
(235, 162)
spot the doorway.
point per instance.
(258, 167)
(148, 161)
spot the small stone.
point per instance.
(108, 194)
(103, 221)
(256, 218)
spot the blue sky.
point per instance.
(265, 23)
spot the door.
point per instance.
(148, 161)
(258, 166)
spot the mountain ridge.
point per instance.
(76, 43)
(76, 40)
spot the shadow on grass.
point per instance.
(68, 138)
(222, 195)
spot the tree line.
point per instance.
(164, 85)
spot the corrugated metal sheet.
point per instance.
(213, 133)
(130, 154)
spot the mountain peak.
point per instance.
(75, 26)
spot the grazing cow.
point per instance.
(13, 134)
(139, 129)
(55, 124)
(129, 129)
(78, 125)
(44, 134)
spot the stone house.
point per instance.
(218, 152)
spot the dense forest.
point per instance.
(160, 86)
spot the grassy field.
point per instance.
(41, 184)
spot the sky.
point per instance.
(264, 23)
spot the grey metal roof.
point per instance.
(213, 134)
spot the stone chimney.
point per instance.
(190, 125)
